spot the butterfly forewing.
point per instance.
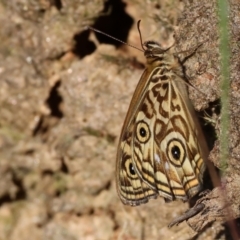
(161, 148)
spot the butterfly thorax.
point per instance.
(158, 57)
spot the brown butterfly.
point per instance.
(162, 150)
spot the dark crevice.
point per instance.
(29, 152)
(54, 103)
(83, 46)
(227, 233)
(106, 186)
(54, 100)
(64, 167)
(208, 128)
(57, 4)
(113, 20)
(112, 215)
(222, 234)
(233, 227)
(5, 199)
(79, 214)
(91, 211)
(47, 172)
(211, 137)
(50, 216)
(40, 127)
(58, 193)
(20, 194)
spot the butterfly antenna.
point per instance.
(103, 33)
(140, 35)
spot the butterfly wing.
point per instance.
(161, 149)
(169, 160)
(131, 188)
(160, 152)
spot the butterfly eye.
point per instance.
(131, 169)
(142, 132)
(176, 152)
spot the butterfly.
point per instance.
(161, 150)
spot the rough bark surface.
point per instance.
(64, 95)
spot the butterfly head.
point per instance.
(156, 55)
(153, 49)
